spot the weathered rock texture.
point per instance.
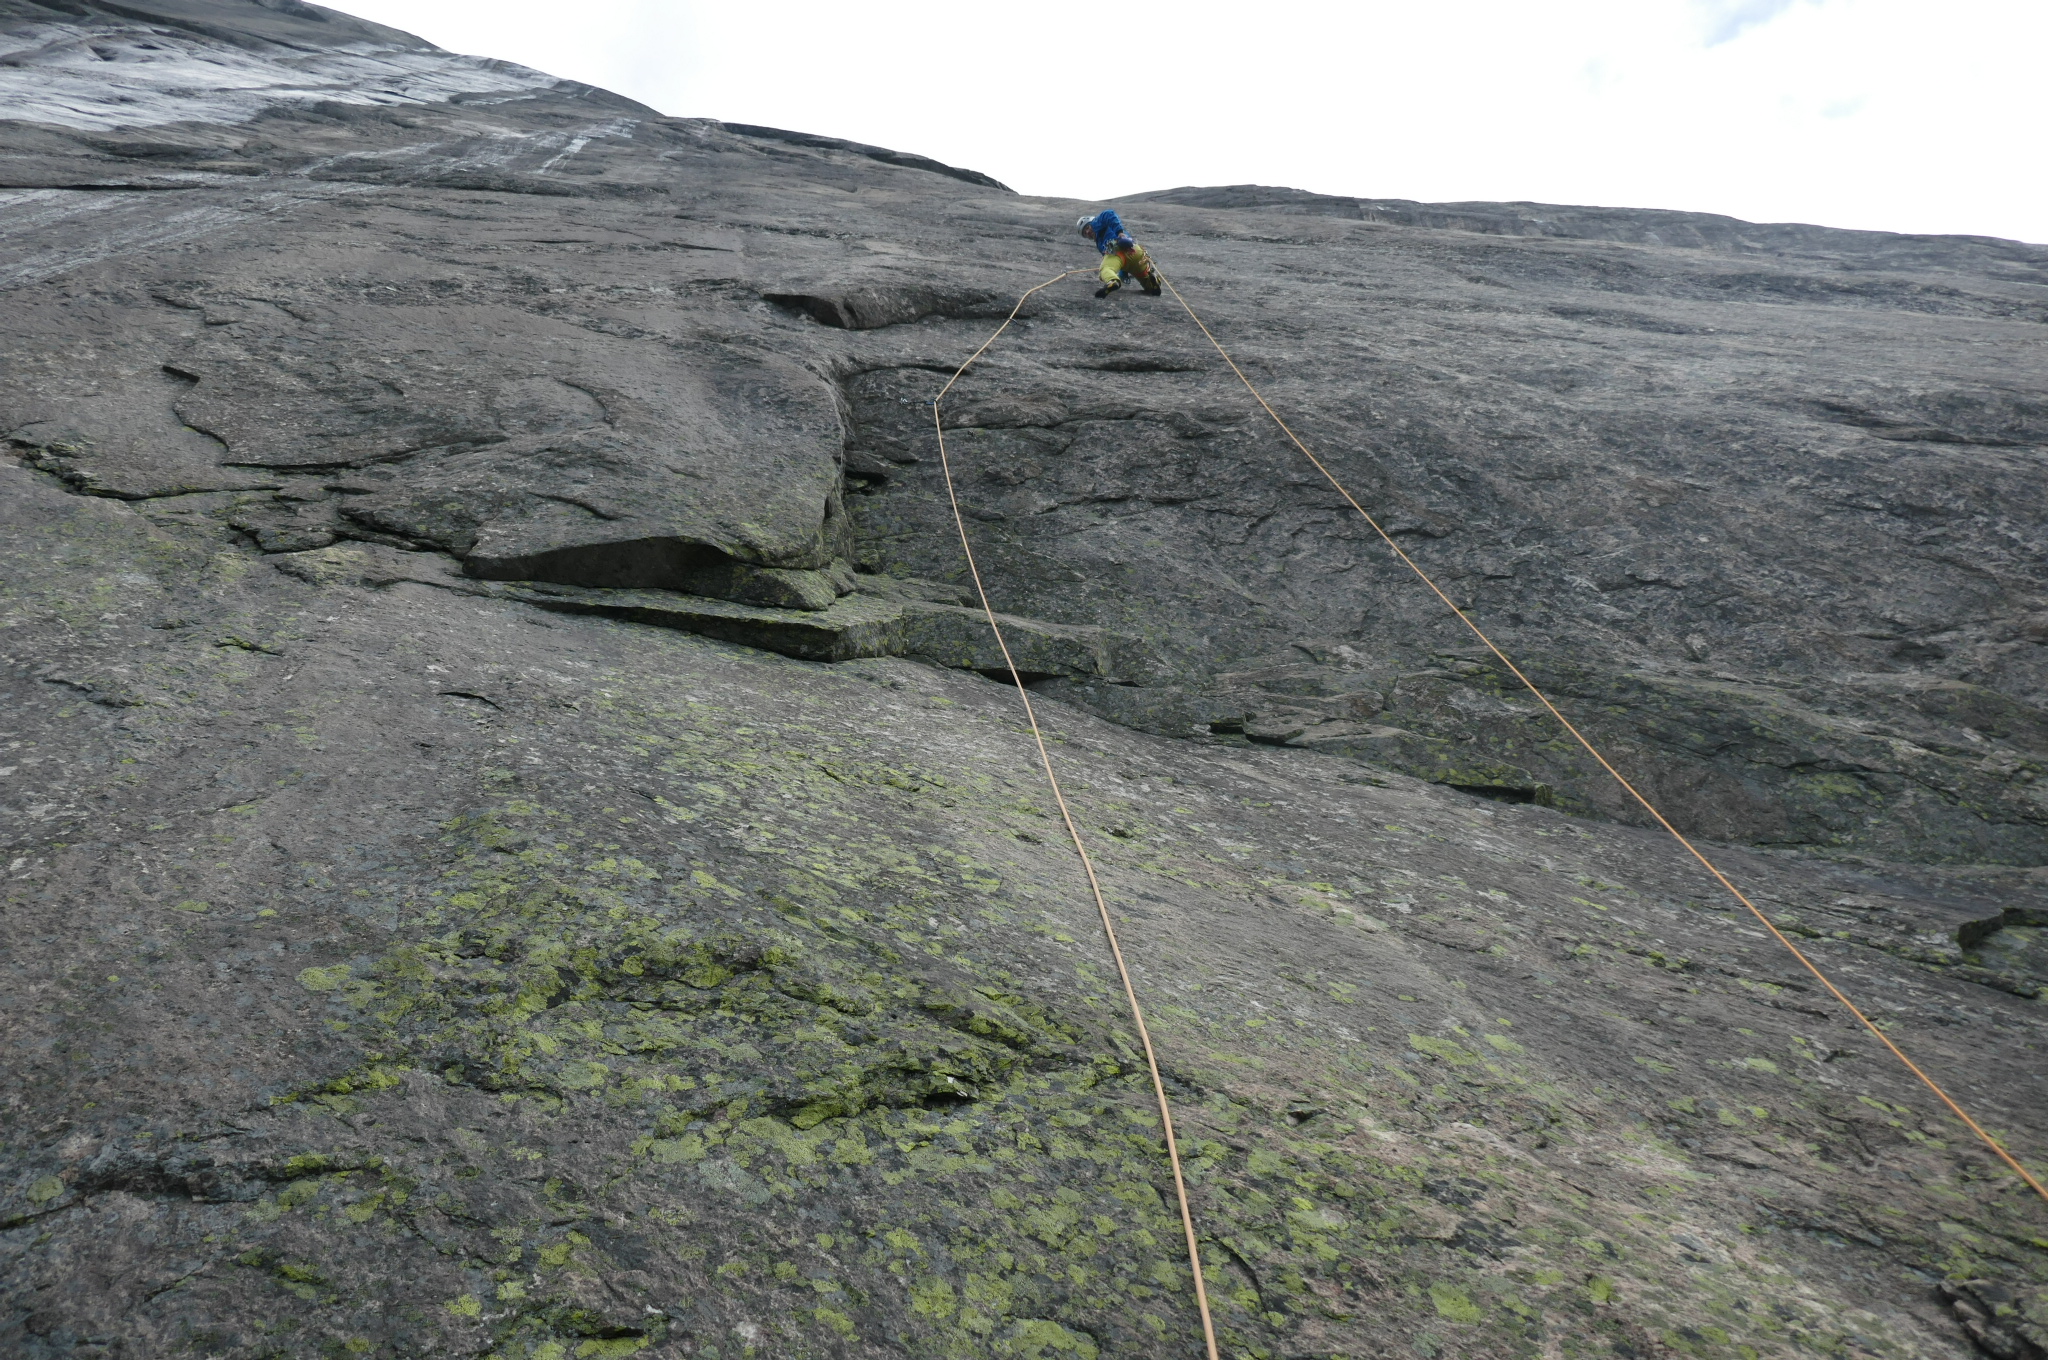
(512, 849)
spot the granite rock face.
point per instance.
(511, 847)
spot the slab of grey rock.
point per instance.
(355, 886)
(473, 936)
(868, 625)
(1594, 438)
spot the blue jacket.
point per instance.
(1108, 230)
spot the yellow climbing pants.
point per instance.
(1122, 260)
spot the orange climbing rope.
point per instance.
(1088, 863)
(1180, 1188)
(1594, 751)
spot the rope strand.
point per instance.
(1594, 751)
(1180, 1189)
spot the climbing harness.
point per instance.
(1088, 864)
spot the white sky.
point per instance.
(1904, 115)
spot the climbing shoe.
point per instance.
(1106, 289)
(1150, 283)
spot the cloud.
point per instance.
(1726, 20)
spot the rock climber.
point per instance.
(1121, 256)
